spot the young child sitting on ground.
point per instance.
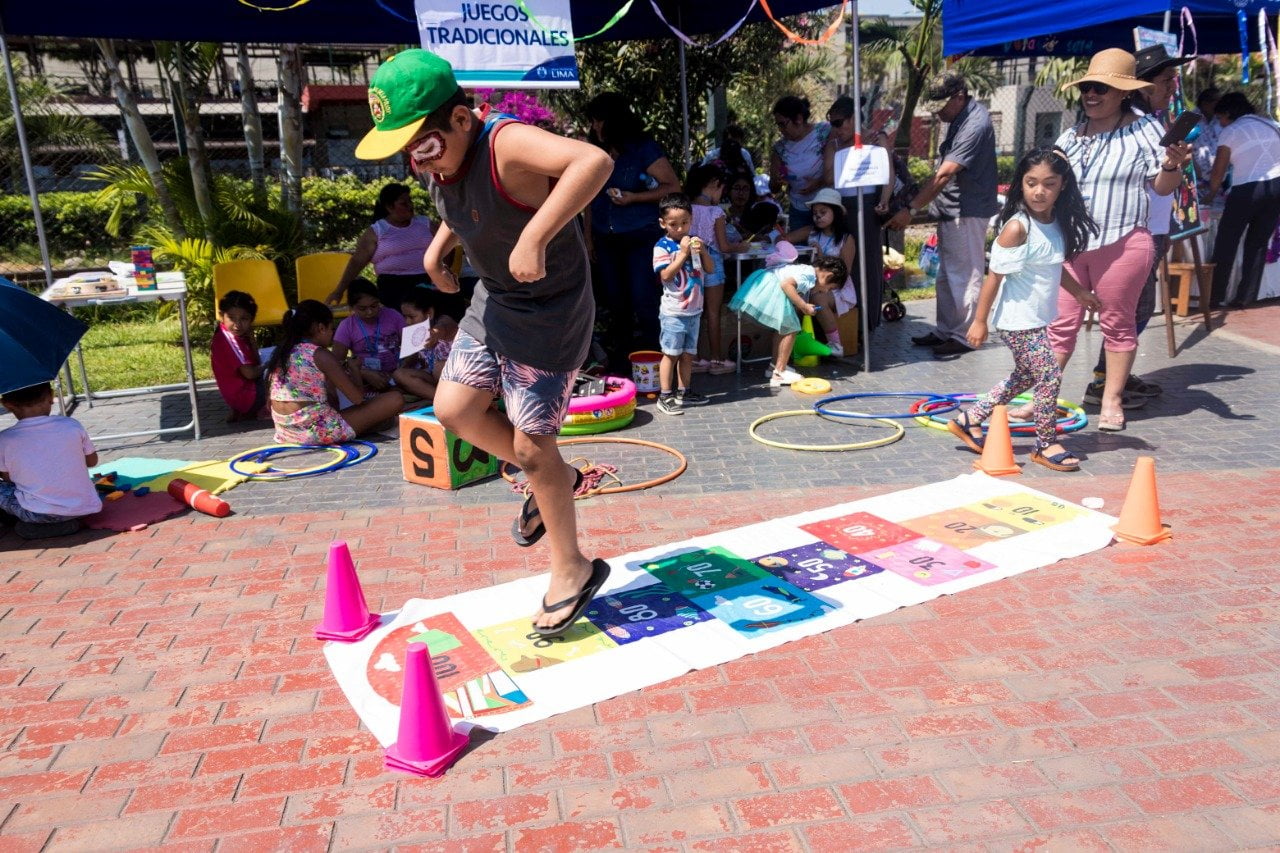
(44, 467)
(682, 263)
(777, 295)
(305, 378)
(236, 366)
(372, 335)
(419, 374)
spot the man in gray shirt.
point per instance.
(961, 196)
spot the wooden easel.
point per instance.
(1205, 288)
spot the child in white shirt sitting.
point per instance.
(44, 462)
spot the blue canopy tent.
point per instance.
(983, 28)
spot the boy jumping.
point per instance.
(508, 192)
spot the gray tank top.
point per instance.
(545, 324)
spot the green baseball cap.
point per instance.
(403, 91)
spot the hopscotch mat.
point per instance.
(709, 600)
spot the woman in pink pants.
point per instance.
(1116, 155)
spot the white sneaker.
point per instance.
(786, 377)
(837, 351)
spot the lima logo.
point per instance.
(542, 72)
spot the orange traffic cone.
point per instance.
(426, 744)
(997, 448)
(346, 615)
(1140, 515)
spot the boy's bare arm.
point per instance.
(442, 244)
(90, 461)
(580, 171)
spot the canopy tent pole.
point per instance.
(27, 169)
(862, 212)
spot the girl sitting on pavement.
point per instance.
(372, 335)
(777, 295)
(420, 373)
(305, 378)
(237, 369)
(1044, 222)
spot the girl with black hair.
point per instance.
(419, 374)
(1044, 222)
(622, 224)
(305, 378)
(705, 186)
(394, 243)
(237, 368)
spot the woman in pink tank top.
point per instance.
(395, 244)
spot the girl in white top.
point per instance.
(1044, 222)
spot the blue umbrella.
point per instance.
(35, 338)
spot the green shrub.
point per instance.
(1005, 164)
(921, 169)
(74, 222)
(337, 210)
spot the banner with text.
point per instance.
(498, 45)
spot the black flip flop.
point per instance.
(599, 574)
(525, 516)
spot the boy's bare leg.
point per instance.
(667, 374)
(684, 370)
(466, 411)
(552, 482)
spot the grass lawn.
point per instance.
(137, 353)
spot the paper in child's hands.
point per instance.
(413, 339)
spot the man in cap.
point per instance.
(961, 196)
(509, 194)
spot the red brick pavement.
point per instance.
(1260, 322)
(161, 688)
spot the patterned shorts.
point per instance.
(536, 400)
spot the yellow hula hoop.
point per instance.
(338, 449)
(898, 431)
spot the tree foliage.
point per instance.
(755, 66)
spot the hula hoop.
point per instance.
(614, 490)
(820, 407)
(900, 431)
(597, 415)
(350, 456)
(598, 426)
(624, 391)
(1071, 418)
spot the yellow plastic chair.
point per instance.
(318, 273)
(259, 279)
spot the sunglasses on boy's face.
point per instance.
(836, 122)
(1091, 88)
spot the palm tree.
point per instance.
(49, 122)
(918, 50)
(252, 121)
(188, 66)
(141, 137)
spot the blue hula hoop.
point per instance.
(353, 457)
(951, 401)
(1074, 420)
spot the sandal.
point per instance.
(599, 574)
(964, 432)
(1056, 462)
(527, 514)
(1111, 423)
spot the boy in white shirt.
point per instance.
(44, 462)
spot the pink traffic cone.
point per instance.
(427, 745)
(346, 615)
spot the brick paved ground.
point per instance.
(161, 687)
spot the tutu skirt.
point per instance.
(761, 297)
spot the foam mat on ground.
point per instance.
(134, 513)
(216, 476)
(136, 470)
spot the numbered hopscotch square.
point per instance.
(1027, 511)
(702, 572)
(762, 606)
(519, 649)
(816, 566)
(647, 611)
(859, 532)
(928, 562)
(962, 528)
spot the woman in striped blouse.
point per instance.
(1116, 155)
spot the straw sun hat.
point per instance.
(1112, 67)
